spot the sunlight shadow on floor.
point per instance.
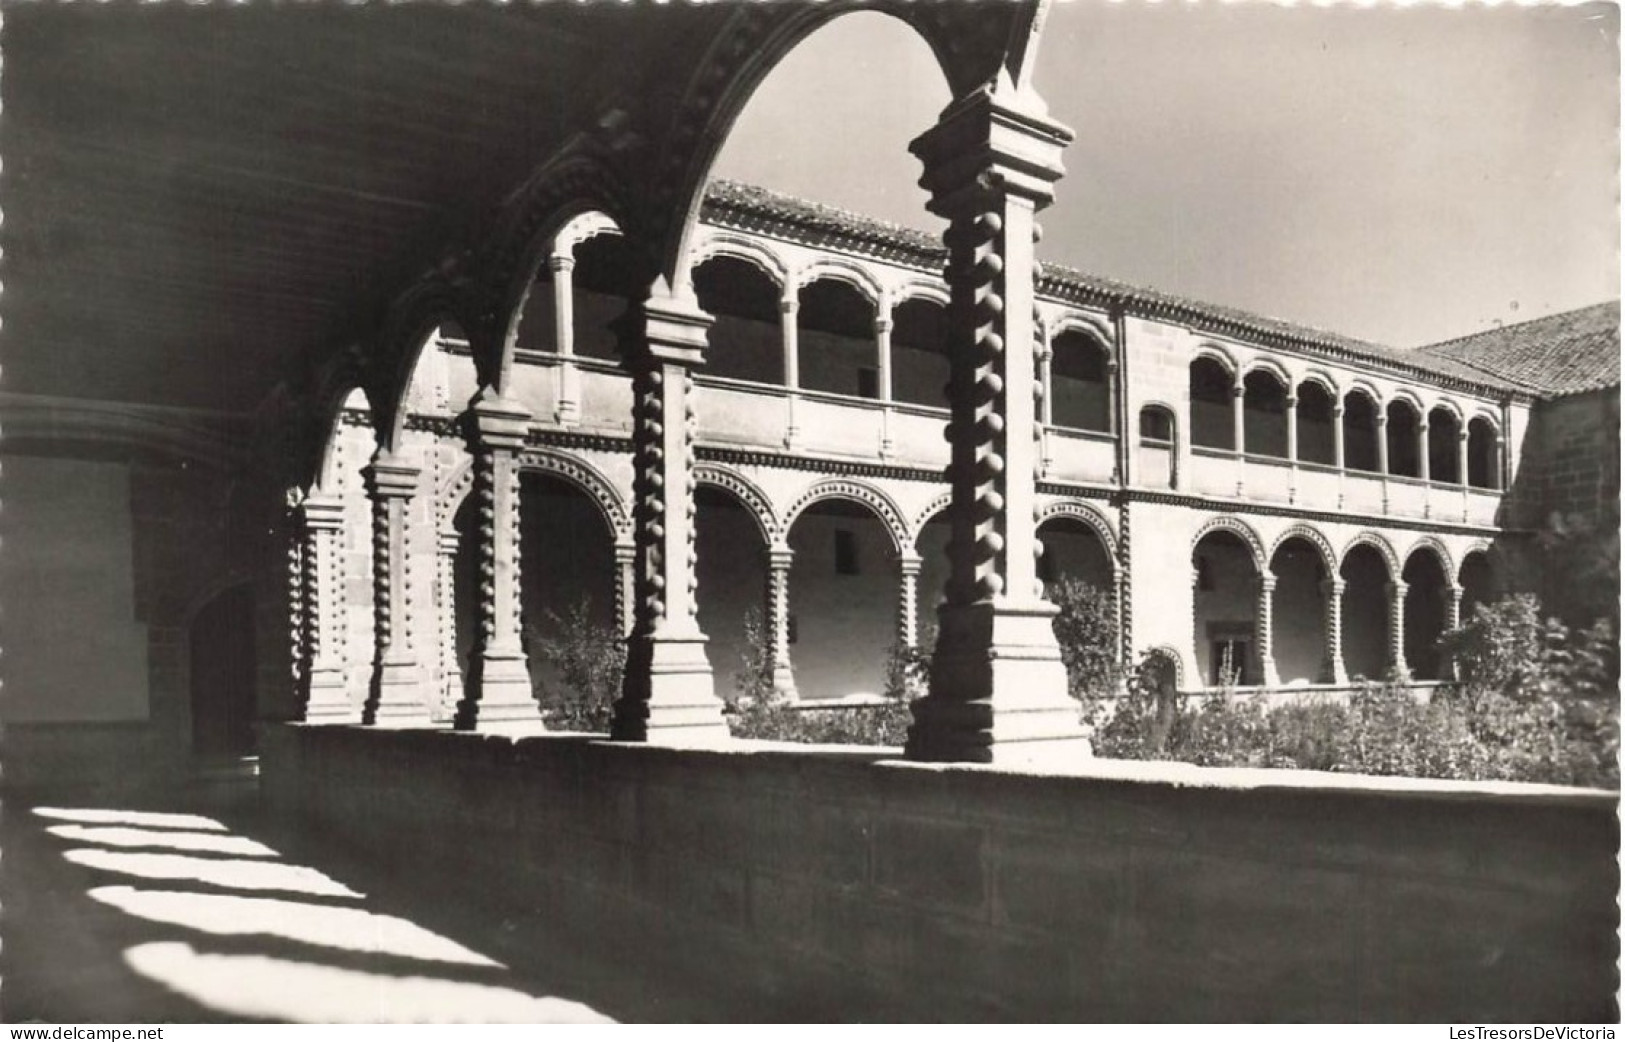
(265, 987)
(201, 842)
(347, 929)
(139, 818)
(229, 874)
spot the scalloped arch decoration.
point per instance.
(1377, 543)
(1236, 526)
(917, 289)
(715, 244)
(1447, 561)
(849, 272)
(588, 479)
(923, 518)
(857, 492)
(1312, 536)
(754, 500)
(1085, 514)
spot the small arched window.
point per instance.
(1156, 426)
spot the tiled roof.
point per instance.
(1560, 354)
(753, 209)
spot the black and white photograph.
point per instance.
(809, 511)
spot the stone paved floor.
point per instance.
(192, 908)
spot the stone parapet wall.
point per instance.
(852, 888)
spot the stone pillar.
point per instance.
(1452, 620)
(1292, 446)
(1046, 403)
(789, 310)
(396, 695)
(322, 601)
(667, 691)
(777, 615)
(1397, 665)
(1337, 435)
(1423, 465)
(998, 689)
(1114, 421)
(1332, 670)
(908, 600)
(451, 685)
(498, 688)
(568, 410)
(883, 390)
(1266, 631)
(1382, 452)
(1461, 455)
(625, 579)
(1238, 416)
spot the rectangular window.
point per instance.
(846, 552)
(1156, 425)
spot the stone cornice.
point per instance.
(1249, 507)
(219, 440)
(817, 464)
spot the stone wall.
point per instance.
(849, 888)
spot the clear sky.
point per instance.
(1403, 175)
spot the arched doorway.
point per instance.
(1426, 605)
(919, 347)
(836, 334)
(223, 674)
(567, 590)
(1404, 439)
(1365, 612)
(1298, 613)
(843, 599)
(1478, 582)
(1225, 609)
(731, 585)
(1444, 446)
(1361, 432)
(1483, 454)
(1213, 423)
(1078, 382)
(1317, 436)
(1264, 412)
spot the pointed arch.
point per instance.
(749, 494)
(1274, 368)
(858, 492)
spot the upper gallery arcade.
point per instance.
(510, 368)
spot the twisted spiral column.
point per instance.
(498, 688)
(325, 697)
(1266, 630)
(396, 695)
(667, 688)
(777, 613)
(998, 687)
(908, 600)
(1332, 670)
(1397, 665)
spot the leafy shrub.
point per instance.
(1535, 703)
(758, 711)
(588, 659)
(1086, 630)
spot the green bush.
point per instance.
(758, 711)
(588, 658)
(1535, 703)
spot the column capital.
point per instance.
(323, 512)
(664, 330)
(780, 557)
(989, 132)
(498, 422)
(1238, 389)
(390, 477)
(909, 563)
(1333, 587)
(1455, 590)
(560, 262)
(625, 552)
(790, 303)
(449, 541)
(883, 324)
(1291, 401)
(1461, 435)
(1266, 583)
(1397, 589)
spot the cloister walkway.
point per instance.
(194, 908)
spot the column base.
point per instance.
(784, 683)
(498, 691)
(396, 697)
(327, 701)
(668, 695)
(998, 690)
